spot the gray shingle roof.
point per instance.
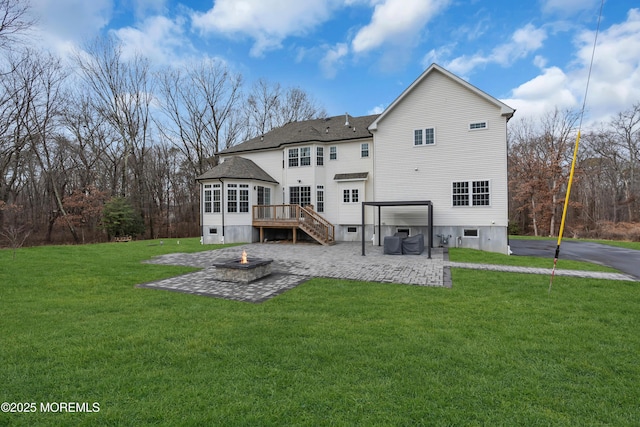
(327, 130)
(237, 168)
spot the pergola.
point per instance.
(426, 203)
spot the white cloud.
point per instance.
(333, 58)
(540, 61)
(437, 55)
(615, 78)
(544, 92)
(63, 24)
(144, 8)
(267, 22)
(396, 20)
(157, 38)
(378, 109)
(523, 41)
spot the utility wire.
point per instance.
(575, 152)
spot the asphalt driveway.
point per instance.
(625, 260)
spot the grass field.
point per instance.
(496, 349)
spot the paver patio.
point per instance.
(295, 264)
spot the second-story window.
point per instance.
(333, 153)
(364, 150)
(299, 157)
(319, 156)
(293, 157)
(305, 156)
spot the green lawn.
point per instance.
(496, 349)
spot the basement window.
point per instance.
(352, 229)
(470, 232)
(213, 231)
(403, 231)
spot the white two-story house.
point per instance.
(442, 140)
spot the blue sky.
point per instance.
(357, 56)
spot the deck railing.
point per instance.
(294, 216)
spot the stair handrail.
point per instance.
(326, 228)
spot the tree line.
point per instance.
(603, 199)
(104, 128)
(102, 144)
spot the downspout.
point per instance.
(201, 211)
(222, 207)
(506, 137)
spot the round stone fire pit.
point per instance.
(234, 270)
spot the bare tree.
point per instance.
(13, 140)
(201, 108)
(626, 128)
(540, 157)
(89, 141)
(15, 231)
(14, 21)
(602, 186)
(269, 106)
(38, 88)
(120, 91)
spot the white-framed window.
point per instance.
(333, 153)
(299, 157)
(305, 156)
(243, 196)
(212, 198)
(319, 156)
(417, 137)
(207, 198)
(479, 125)
(300, 195)
(217, 207)
(294, 161)
(471, 193)
(426, 136)
(320, 198)
(350, 195)
(237, 198)
(364, 149)
(232, 197)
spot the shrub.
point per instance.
(120, 219)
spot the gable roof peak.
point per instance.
(504, 108)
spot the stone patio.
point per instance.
(295, 264)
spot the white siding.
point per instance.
(350, 212)
(237, 225)
(407, 172)
(349, 161)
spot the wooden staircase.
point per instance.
(294, 217)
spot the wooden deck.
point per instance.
(294, 217)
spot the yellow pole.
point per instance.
(564, 210)
(575, 150)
